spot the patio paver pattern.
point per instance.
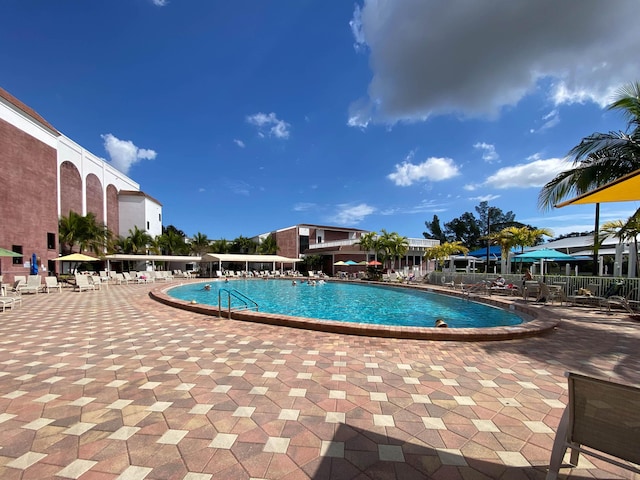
(113, 385)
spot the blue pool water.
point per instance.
(349, 302)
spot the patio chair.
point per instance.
(82, 283)
(51, 283)
(627, 302)
(33, 285)
(119, 279)
(96, 281)
(602, 417)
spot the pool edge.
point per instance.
(538, 324)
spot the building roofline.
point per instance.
(13, 101)
(138, 193)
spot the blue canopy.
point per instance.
(544, 254)
(495, 251)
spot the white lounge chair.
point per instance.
(33, 285)
(82, 283)
(51, 283)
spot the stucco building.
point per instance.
(45, 175)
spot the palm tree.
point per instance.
(85, 232)
(368, 242)
(172, 242)
(444, 251)
(220, 246)
(139, 240)
(599, 159)
(268, 246)
(625, 231)
(200, 244)
(521, 237)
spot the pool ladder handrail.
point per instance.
(248, 304)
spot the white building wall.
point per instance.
(23, 122)
(131, 213)
(153, 217)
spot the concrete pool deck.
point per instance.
(112, 384)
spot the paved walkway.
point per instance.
(110, 384)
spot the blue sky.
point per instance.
(246, 116)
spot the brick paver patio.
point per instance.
(113, 385)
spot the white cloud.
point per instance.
(527, 175)
(550, 120)
(349, 214)
(489, 153)
(238, 187)
(269, 124)
(304, 207)
(473, 58)
(239, 143)
(433, 169)
(484, 198)
(160, 3)
(124, 154)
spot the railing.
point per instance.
(570, 284)
(413, 243)
(246, 302)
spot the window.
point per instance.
(319, 240)
(147, 226)
(160, 217)
(17, 249)
(51, 241)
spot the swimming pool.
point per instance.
(353, 303)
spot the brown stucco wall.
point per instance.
(287, 241)
(71, 189)
(113, 212)
(95, 197)
(28, 198)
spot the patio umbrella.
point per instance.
(363, 262)
(76, 257)
(624, 189)
(374, 263)
(34, 264)
(8, 253)
(350, 262)
(340, 262)
(544, 254)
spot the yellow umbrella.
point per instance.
(624, 189)
(76, 257)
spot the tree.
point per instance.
(85, 232)
(599, 159)
(445, 250)
(393, 246)
(434, 230)
(625, 231)
(173, 242)
(511, 237)
(268, 246)
(200, 244)
(243, 245)
(139, 240)
(220, 246)
(369, 242)
(465, 230)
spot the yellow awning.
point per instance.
(624, 189)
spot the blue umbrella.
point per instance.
(544, 254)
(34, 264)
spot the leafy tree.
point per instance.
(465, 230)
(173, 242)
(393, 245)
(200, 244)
(370, 242)
(139, 240)
(312, 262)
(268, 246)
(599, 159)
(85, 232)
(243, 245)
(445, 250)
(220, 246)
(434, 230)
(625, 231)
(511, 237)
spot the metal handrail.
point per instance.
(248, 304)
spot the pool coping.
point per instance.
(541, 321)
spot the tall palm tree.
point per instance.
(85, 232)
(173, 242)
(220, 246)
(626, 231)
(139, 240)
(200, 244)
(369, 242)
(268, 246)
(599, 159)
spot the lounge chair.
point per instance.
(119, 279)
(627, 302)
(33, 285)
(51, 283)
(96, 281)
(82, 283)
(601, 417)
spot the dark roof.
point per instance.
(138, 193)
(25, 109)
(331, 227)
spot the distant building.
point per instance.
(336, 244)
(44, 176)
